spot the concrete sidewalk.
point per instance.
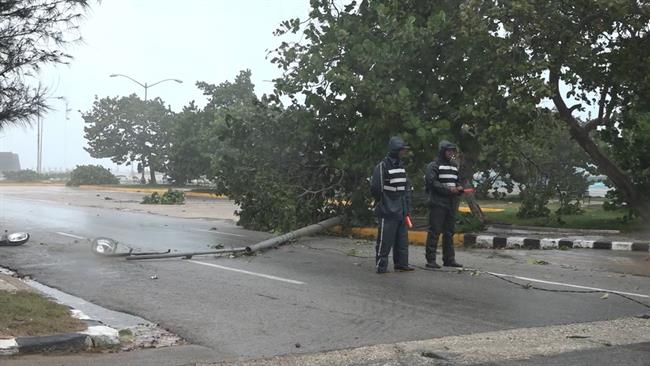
(490, 348)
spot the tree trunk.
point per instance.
(152, 173)
(470, 152)
(621, 181)
(142, 179)
(475, 208)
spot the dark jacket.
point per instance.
(390, 186)
(439, 176)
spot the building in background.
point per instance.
(9, 162)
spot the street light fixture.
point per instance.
(145, 85)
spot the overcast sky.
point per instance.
(150, 40)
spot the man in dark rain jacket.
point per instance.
(442, 185)
(391, 190)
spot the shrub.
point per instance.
(468, 223)
(65, 176)
(170, 197)
(25, 175)
(91, 174)
(534, 199)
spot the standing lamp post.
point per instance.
(39, 138)
(146, 87)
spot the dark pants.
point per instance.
(392, 234)
(441, 222)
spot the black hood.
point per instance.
(443, 146)
(396, 144)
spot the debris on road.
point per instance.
(148, 336)
(537, 261)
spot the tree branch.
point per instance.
(324, 189)
(565, 113)
(592, 125)
(574, 107)
(601, 105)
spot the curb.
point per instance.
(502, 242)
(416, 237)
(96, 335)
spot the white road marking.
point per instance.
(248, 272)
(30, 199)
(216, 232)
(39, 265)
(569, 285)
(70, 235)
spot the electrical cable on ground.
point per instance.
(528, 286)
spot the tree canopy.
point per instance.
(561, 84)
(129, 130)
(32, 34)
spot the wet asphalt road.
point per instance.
(317, 294)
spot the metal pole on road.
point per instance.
(305, 231)
(187, 255)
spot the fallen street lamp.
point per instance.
(13, 239)
(107, 247)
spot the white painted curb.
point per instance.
(8, 347)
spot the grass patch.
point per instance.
(24, 313)
(594, 217)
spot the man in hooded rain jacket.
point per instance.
(391, 190)
(442, 185)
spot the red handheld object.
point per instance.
(469, 190)
(409, 224)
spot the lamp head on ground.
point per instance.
(104, 246)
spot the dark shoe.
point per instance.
(382, 271)
(453, 264)
(432, 265)
(404, 269)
